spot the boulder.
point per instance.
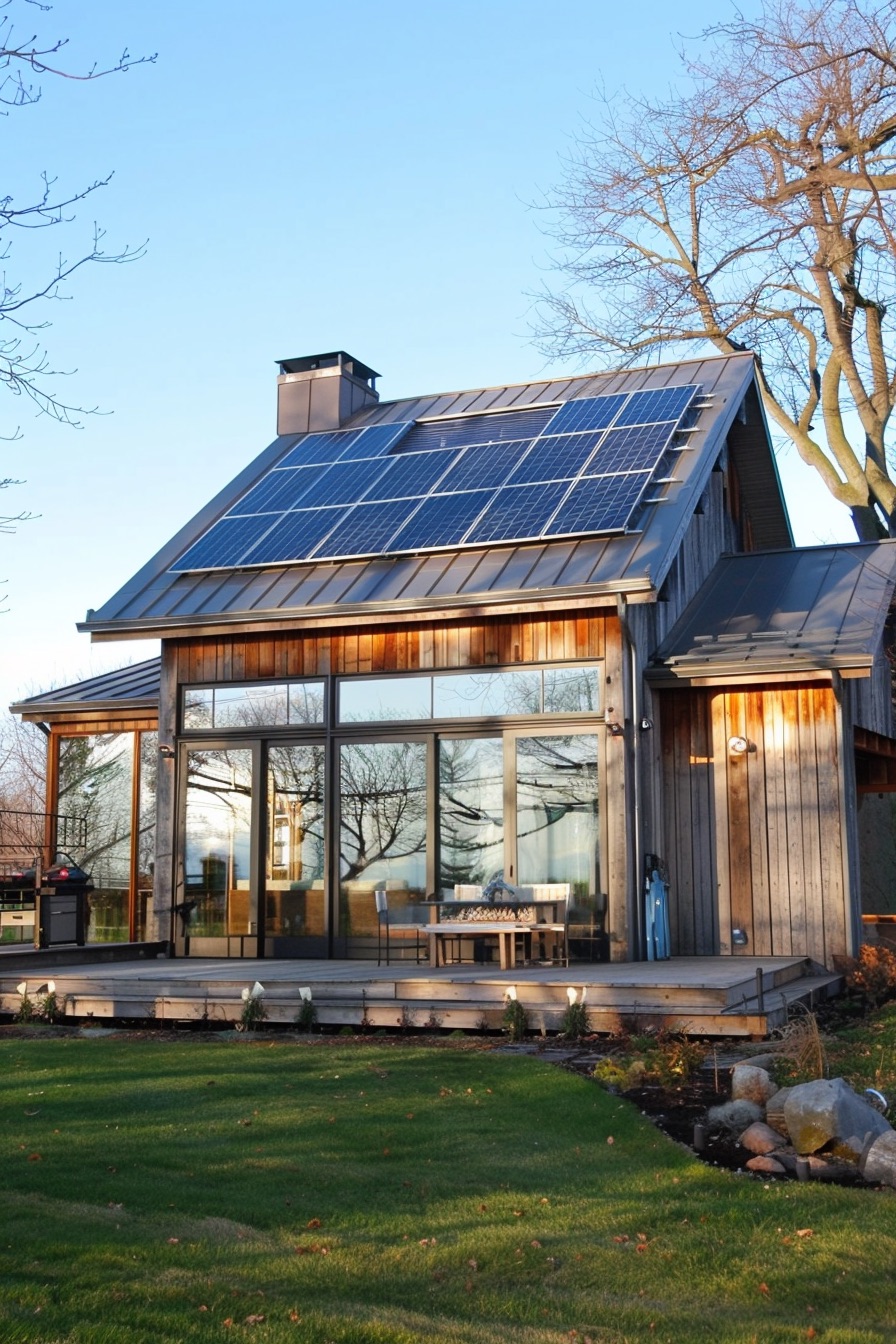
(774, 1109)
(767, 1165)
(878, 1162)
(761, 1138)
(827, 1111)
(751, 1084)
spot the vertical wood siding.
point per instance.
(497, 640)
(770, 822)
(689, 838)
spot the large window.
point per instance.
(217, 886)
(294, 871)
(469, 695)
(96, 782)
(382, 831)
(414, 784)
(471, 811)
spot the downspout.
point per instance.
(631, 669)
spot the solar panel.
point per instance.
(464, 480)
(518, 511)
(599, 504)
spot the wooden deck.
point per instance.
(705, 996)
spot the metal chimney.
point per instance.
(322, 391)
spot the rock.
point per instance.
(751, 1084)
(878, 1162)
(761, 1138)
(735, 1116)
(827, 1169)
(828, 1111)
(766, 1164)
(774, 1109)
(766, 1062)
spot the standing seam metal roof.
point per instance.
(158, 601)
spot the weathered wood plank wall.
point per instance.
(469, 643)
(779, 819)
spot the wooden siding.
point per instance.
(688, 844)
(776, 815)
(498, 641)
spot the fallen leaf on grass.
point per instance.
(763, 1288)
(313, 1222)
(805, 1232)
(173, 1241)
(255, 1319)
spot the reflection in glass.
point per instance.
(294, 872)
(557, 811)
(372, 700)
(481, 694)
(382, 831)
(217, 842)
(261, 705)
(146, 834)
(95, 783)
(571, 690)
(250, 706)
(199, 705)
(471, 811)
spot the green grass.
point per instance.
(161, 1191)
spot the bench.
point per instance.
(540, 912)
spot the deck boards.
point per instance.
(699, 995)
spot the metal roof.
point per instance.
(157, 601)
(136, 687)
(823, 607)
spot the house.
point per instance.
(557, 631)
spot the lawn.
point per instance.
(331, 1190)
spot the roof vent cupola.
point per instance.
(319, 392)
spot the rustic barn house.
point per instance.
(557, 632)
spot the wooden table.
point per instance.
(505, 929)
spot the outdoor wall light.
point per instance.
(166, 751)
(738, 746)
(739, 937)
(645, 725)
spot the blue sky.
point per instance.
(308, 178)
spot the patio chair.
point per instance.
(406, 919)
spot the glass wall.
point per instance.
(294, 869)
(382, 829)
(480, 786)
(146, 834)
(471, 811)
(217, 843)
(96, 783)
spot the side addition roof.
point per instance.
(823, 607)
(159, 600)
(133, 688)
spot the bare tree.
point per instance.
(756, 211)
(25, 60)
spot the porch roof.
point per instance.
(159, 600)
(136, 687)
(822, 607)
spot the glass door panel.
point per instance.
(217, 843)
(382, 830)
(557, 834)
(470, 811)
(294, 866)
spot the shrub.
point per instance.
(873, 973)
(515, 1019)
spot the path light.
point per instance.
(22, 988)
(305, 994)
(572, 995)
(510, 992)
(51, 986)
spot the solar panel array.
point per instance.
(514, 476)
